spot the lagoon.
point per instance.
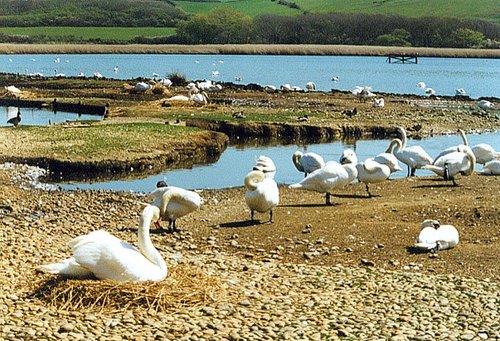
(479, 77)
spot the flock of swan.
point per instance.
(100, 254)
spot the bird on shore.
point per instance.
(491, 168)
(174, 203)
(454, 148)
(16, 119)
(434, 237)
(462, 162)
(307, 162)
(485, 104)
(104, 256)
(414, 157)
(370, 172)
(266, 165)
(262, 194)
(485, 153)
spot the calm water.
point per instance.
(236, 162)
(479, 77)
(41, 117)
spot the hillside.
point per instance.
(465, 9)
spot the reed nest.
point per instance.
(184, 287)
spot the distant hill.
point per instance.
(488, 10)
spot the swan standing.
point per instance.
(435, 237)
(370, 172)
(174, 203)
(324, 180)
(484, 153)
(454, 148)
(451, 164)
(307, 162)
(414, 157)
(262, 194)
(104, 256)
(349, 160)
(389, 160)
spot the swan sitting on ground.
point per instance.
(414, 157)
(435, 237)
(454, 148)
(378, 103)
(174, 203)
(262, 194)
(324, 180)
(370, 172)
(266, 165)
(485, 153)
(104, 256)
(491, 168)
(363, 92)
(13, 89)
(307, 162)
(484, 104)
(449, 165)
(200, 98)
(430, 91)
(142, 87)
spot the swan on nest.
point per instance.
(104, 256)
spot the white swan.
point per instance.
(200, 98)
(104, 256)
(349, 160)
(13, 89)
(174, 203)
(460, 92)
(485, 153)
(414, 157)
(370, 172)
(389, 160)
(484, 104)
(378, 102)
(491, 168)
(430, 91)
(421, 85)
(262, 194)
(435, 237)
(451, 164)
(286, 87)
(324, 180)
(266, 165)
(363, 92)
(307, 162)
(142, 87)
(193, 95)
(454, 148)
(310, 86)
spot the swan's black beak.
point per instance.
(436, 225)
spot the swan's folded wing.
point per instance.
(425, 246)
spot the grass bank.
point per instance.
(348, 50)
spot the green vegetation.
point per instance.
(465, 9)
(95, 142)
(89, 33)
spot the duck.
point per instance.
(266, 165)
(324, 180)
(262, 194)
(435, 237)
(415, 157)
(174, 203)
(484, 153)
(102, 255)
(370, 172)
(307, 162)
(454, 148)
(449, 165)
(16, 119)
(491, 168)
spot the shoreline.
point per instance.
(250, 49)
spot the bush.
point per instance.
(177, 78)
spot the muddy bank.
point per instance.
(54, 105)
(289, 133)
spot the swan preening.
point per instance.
(307, 162)
(104, 256)
(462, 161)
(262, 193)
(435, 237)
(485, 153)
(194, 95)
(414, 157)
(175, 202)
(370, 172)
(454, 148)
(266, 165)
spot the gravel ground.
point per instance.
(318, 272)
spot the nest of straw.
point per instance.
(184, 287)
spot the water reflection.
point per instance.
(41, 116)
(236, 161)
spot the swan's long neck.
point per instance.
(472, 160)
(464, 138)
(145, 245)
(296, 160)
(253, 178)
(403, 138)
(391, 145)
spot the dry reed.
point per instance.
(352, 50)
(185, 287)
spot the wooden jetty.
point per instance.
(402, 59)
